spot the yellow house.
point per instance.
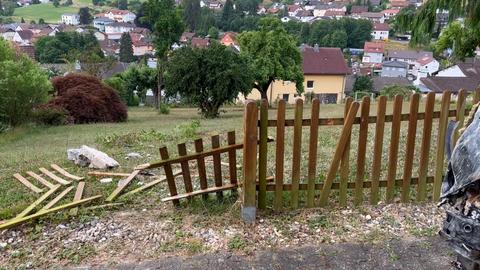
(325, 73)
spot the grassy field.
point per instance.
(30, 147)
(48, 12)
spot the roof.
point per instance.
(119, 12)
(305, 13)
(381, 82)
(454, 84)
(323, 61)
(397, 64)
(425, 60)
(25, 34)
(394, 11)
(373, 15)
(120, 24)
(358, 9)
(186, 36)
(381, 27)
(409, 54)
(200, 42)
(334, 13)
(103, 19)
(374, 47)
(399, 3)
(293, 8)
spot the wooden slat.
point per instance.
(77, 197)
(350, 186)
(124, 184)
(200, 192)
(103, 174)
(279, 155)
(362, 150)
(250, 132)
(232, 158)
(146, 186)
(217, 166)
(65, 173)
(202, 171)
(342, 142)
(378, 148)
(440, 156)
(187, 179)
(56, 199)
(37, 202)
(312, 153)
(27, 183)
(345, 162)
(394, 143)
(371, 120)
(410, 148)
(40, 179)
(425, 149)
(296, 152)
(476, 96)
(172, 187)
(15, 222)
(460, 117)
(262, 156)
(54, 177)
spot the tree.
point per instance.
(23, 85)
(133, 82)
(191, 13)
(96, 2)
(208, 77)
(126, 49)
(95, 65)
(68, 3)
(363, 84)
(273, 55)
(461, 39)
(167, 27)
(123, 4)
(66, 47)
(85, 16)
(22, 20)
(33, 22)
(41, 21)
(213, 32)
(9, 8)
(392, 90)
(207, 20)
(423, 22)
(227, 14)
(56, 3)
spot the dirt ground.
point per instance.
(431, 253)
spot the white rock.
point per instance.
(106, 180)
(133, 155)
(3, 245)
(87, 156)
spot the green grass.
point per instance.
(48, 12)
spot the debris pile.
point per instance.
(88, 156)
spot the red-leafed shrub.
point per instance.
(87, 100)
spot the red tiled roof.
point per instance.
(359, 9)
(293, 8)
(425, 60)
(119, 12)
(323, 61)
(381, 27)
(200, 42)
(330, 13)
(374, 47)
(400, 3)
(25, 34)
(454, 84)
(394, 11)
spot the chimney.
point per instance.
(315, 48)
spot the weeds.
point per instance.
(236, 243)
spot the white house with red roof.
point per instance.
(373, 52)
(390, 13)
(380, 31)
(120, 15)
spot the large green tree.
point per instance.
(273, 55)
(23, 85)
(167, 27)
(192, 13)
(85, 16)
(423, 22)
(228, 14)
(126, 49)
(208, 78)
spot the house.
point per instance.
(399, 4)
(116, 29)
(293, 9)
(465, 75)
(357, 10)
(124, 16)
(305, 15)
(415, 59)
(109, 47)
(142, 47)
(324, 72)
(200, 42)
(375, 17)
(380, 31)
(390, 13)
(186, 37)
(394, 69)
(100, 23)
(228, 39)
(381, 82)
(334, 14)
(373, 52)
(70, 19)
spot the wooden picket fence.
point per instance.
(318, 193)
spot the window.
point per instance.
(285, 97)
(309, 84)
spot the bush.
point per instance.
(164, 108)
(23, 85)
(87, 100)
(50, 116)
(391, 91)
(4, 127)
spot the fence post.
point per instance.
(262, 157)
(476, 96)
(460, 117)
(425, 150)
(377, 148)
(393, 153)
(250, 122)
(279, 155)
(410, 148)
(345, 162)
(440, 161)
(362, 150)
(296, 152)
(312, 152)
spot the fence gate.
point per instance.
(419, 159)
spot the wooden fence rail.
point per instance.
(338, 176)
